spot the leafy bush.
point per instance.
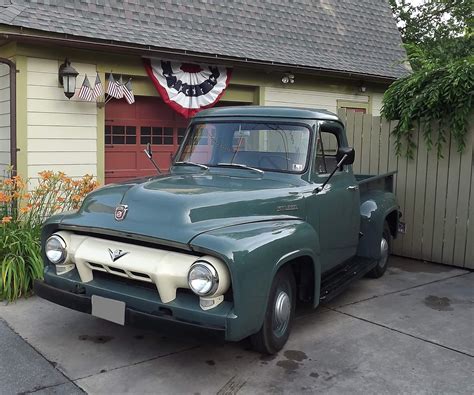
(432, 94)
(22, 212)
(21, 261)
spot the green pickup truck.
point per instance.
(260, 212)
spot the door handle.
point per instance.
(353, 188)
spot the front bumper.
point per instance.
(133, 317)
(143, 306)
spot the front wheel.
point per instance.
(279, 315)
(385, 247)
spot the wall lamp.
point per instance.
(67, 78)
(288, 78)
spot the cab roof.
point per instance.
(268, 112)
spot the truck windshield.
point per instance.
(265, 146)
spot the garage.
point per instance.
(129, 127)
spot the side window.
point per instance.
(327, 146)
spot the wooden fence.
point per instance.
(436, 196)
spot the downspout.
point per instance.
(13, 148)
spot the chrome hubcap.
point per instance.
(281, 314)
(383, 252)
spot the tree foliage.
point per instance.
(438, 37)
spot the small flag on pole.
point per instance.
(128, 92)
(98, 88)
(85, 93)
(115, 88)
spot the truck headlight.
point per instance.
(203, 278)
(55, 249)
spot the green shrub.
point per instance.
(21, 261)
(22, 211)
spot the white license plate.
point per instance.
(108, 309)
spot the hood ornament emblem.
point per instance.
(121, 212)
(117, 254)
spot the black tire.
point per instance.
(274, 333)
(382, 264)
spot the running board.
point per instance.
(339, 280)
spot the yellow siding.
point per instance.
(4, 118)
(305, 98)
(376, 103)
(319, 99)
(62, 133)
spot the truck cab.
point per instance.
(260, 211)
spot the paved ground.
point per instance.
(409, 332)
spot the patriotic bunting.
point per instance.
(188, 88)
(85, 93)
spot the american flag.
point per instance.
(85, 93)
(98, 88)
(115, 88)
(128, 92)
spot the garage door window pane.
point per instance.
(156, 135)
(118, 139)
(145, 135)
(118, 130)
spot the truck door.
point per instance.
(336, 208)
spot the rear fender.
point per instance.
(254, 252)
(375, 207)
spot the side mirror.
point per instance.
(148, 151)
(346, 152)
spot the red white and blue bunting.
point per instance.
(188, 88)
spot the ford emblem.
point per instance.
(121, 212)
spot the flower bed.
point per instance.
(24, 205)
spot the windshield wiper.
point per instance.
(240, 166)
(185, 163)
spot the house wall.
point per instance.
(321, 99)
(4, 118)
(61, 133)
(68, 135)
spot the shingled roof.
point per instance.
(349, 36)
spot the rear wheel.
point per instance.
(279, 315)
(385, 248)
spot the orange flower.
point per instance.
(76, 198)
(24, 210)
(61, 199)
(6, 220)
(8, 181)
(26, 196)
(4, 198)
(46, 174)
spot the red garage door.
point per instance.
(129, 127)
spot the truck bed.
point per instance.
(369, 182)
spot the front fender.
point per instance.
(254, 252)
(375, 207)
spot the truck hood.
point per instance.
(178, 207)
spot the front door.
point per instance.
(335, 210)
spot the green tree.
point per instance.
(438, 38)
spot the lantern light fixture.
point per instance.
(67, 78)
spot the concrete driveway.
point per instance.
(408, 332)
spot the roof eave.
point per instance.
(150, 51)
